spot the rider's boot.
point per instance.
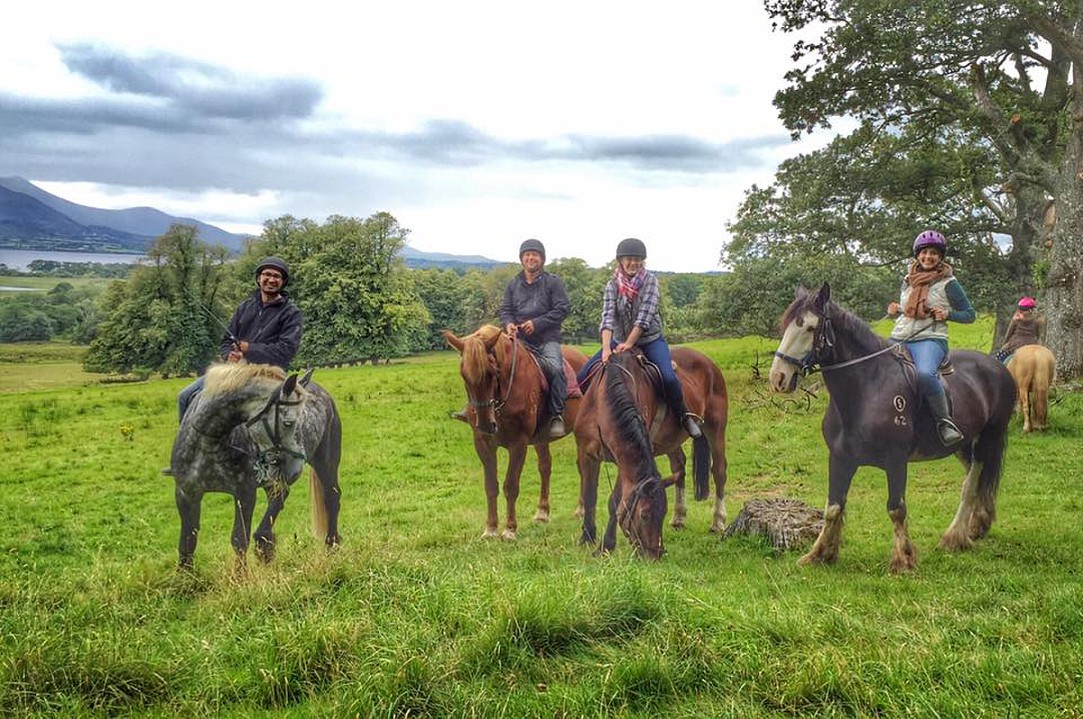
(689, 421)
(556, 427)
(945, 426)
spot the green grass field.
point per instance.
(416, 615)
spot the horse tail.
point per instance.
(319, 507)
(701, 463)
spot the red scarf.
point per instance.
(917, 304)
(628, 287)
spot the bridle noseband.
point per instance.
(270, 458)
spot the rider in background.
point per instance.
(930, 297)
(631, 318)
(1026, 328)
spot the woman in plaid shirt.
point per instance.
(630, 318)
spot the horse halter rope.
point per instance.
(493, 402)
(639, 490)
(270, 458)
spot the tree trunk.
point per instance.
(1064, 293)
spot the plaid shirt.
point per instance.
(620, 316)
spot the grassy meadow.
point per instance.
(416, 615)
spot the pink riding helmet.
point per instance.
(1027, 303)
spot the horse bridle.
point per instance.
(639, 490)
(271, 457)
(493, 402)
(823, 339)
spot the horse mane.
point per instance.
(625, 413)
(226, 377)
(475, 359)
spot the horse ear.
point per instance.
(452, 339)
(491, 341)
(824, 297)
(288, 386)
(307, 377)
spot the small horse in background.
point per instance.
(874, 418)
(505, 389)
(1033, 368)
(250, 427)
(705, 395)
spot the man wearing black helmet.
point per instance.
(534, 306)
(265, 329)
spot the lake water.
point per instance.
(21, 259)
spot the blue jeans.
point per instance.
(552, 363)
(928, 354)
(657, 351)
(187, 395)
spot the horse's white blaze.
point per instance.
(797, 343)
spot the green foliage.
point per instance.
(62, 312)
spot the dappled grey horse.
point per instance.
(252, 427)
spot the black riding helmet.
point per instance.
(632, 247)
(532, 244)
(275, 263)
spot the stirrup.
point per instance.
(948, 433)
(556, 427)
(691, 425)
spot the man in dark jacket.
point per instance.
(535, 304)
(265, 329)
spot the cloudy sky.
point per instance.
(476, 124)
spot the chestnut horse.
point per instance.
(504, 385)
(1033, 368)
(875, 418)
(705, 395)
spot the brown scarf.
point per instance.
(917, 306)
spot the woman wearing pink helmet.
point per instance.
(1026, 328)
(930, 297)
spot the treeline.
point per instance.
(362, 304)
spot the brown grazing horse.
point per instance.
(506, 405)
(1033, 368)
(875, 418)
(705, 395)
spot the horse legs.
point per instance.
(486, 452)
(545, 470)
(957, 537)
(903, 554)
(609, 541)
(326, 498)
(1040, 408)
(265, 533)
(244, 503)
(677, 463)
(516, 460)
(189, 509)
(826, 548)
(1024, 406)
(588, 493)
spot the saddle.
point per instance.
(574, 390)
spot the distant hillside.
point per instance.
(132, 229)
(33, 219)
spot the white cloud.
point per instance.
(476, 124)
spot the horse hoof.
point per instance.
(678, 525)
(490, 534)
(509, 535)
(541, 516)
(902, 566)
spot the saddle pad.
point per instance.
(569, 378)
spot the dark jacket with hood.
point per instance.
(272, 330)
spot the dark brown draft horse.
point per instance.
(253, 427)
(704, 393)
(504, 389)
(1033, 368)
(874, 419)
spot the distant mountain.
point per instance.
(33, 219)
(132, 229)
